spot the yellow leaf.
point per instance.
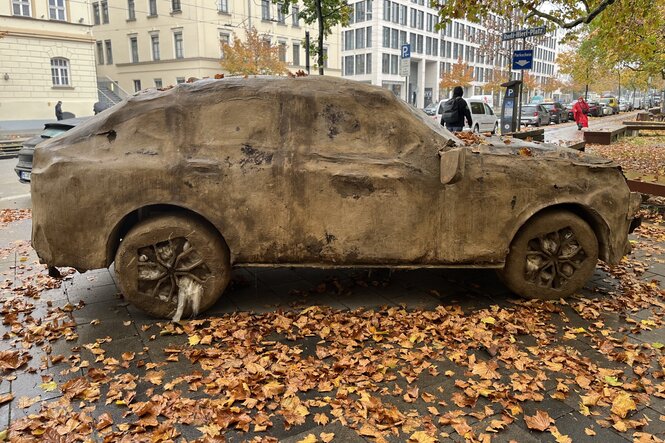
(422, 437)
(560, 438)
(311, 438)
(327, 437)
(589, 432)
(3, 435)
(194, 340)
(321, 419)
(612, 381)
(50, 386)
(622, 404)
(488, 320)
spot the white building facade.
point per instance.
(156, 43)
(371, 49)
(46, 55)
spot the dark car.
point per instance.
(535, 115)
(302, 172)
(595, 109)
(558, 113)
(24, 166)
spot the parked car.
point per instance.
(535, 115)
(316, 171)
(24, 166)
(611, 102)
(558, 113)
(431, 108)
(484, 119)
(607, 109)
(624, 106)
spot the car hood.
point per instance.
(516, 147)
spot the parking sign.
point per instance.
(405, 60)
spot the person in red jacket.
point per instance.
(580, 113)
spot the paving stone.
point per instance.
(365, 298)
(342, 434)
(103, 310)
(555, 408)
(91, 294)
(573, 425)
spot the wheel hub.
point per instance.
(165, 267)
(552, 259)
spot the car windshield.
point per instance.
(52, 132)
(549, 106)
(529, 109)
(604, 100)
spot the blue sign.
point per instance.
(406, 51)
(523, 59)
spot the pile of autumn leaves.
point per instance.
(389, 374)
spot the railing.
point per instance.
(112, 86)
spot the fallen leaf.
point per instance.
(622, 404)
(539, 422)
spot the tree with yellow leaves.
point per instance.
(254, 56)
(460, 74)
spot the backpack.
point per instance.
(450, 112)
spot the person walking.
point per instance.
(455, 111)
(58, 110)
(580, 113)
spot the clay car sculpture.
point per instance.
(177, 187)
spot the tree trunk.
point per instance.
(319, 17)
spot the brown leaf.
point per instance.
(622, 404)
(105, 420)
(539, 422)
(321, 419)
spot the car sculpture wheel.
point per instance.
(173, 266)
(551, 257)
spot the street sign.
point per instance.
(524, 33)
(523, 59)
(405, 61)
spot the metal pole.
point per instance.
(307, 51)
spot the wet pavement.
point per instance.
(567, 132)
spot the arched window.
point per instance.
(60, 71)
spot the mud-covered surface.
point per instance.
(280, 166)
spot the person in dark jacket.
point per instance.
(455, 111)
(58, 110)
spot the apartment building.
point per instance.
(154, 43)
(371, 49)
(46, 55)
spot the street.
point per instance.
(345, 355)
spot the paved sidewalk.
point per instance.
(405, 358)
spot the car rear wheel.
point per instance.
(551, 257)
(172, 266)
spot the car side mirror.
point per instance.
(452, 165)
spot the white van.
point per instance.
(482, 115)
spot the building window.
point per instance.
(56, 10)
(131, 10)
(281, 51)
(21, 7)
(360, 64)
(154, 42)
(223, 6)
(348, 65)
(296, 54)
(105, 12)
(368, 37)
(368, 63)
(360, 11)
(348, 40)
(295, 16)
(360, 38)
(60, 71)
(137, 85)
(134, 49)
(224, 39)
(175, 6)
(177, 40)
(152, 8)
(281, 19)
(265, 9)
(179, 80)
(95, 13)
(158, 83)
(100, 53)
(109, 52)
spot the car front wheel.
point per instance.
(551, 257)
(172, 266)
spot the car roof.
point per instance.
(65, 124)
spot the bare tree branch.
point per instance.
(568, 25)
